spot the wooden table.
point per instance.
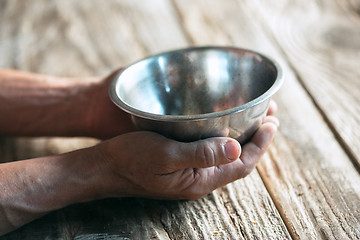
(306, 187)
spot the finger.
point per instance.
(258, 145)
(272, 108)
(207, 153)
(272, 119)
(250, 156)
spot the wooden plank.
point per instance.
(323, 47)
(221, 215)
(95, 46)
(78, 38)
(311, 179)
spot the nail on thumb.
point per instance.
(232, 150)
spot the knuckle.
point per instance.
(168, 154)
(246, 172)
(206, 154)
(246, 169)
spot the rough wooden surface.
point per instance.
(309, 176)
(306, 187)
(324, 51)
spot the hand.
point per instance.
(149, 165)
(103, 118)
(134, 164)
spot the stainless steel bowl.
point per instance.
(199, 92)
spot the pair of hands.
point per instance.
(128, 163)
(149, 165)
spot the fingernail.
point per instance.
(232, 150)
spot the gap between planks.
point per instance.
(278, 206)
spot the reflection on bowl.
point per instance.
(199, 92)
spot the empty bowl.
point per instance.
(198, 92)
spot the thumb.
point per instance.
(208, 152)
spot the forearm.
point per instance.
(32, 188)
(40, 105)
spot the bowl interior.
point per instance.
(195, 81)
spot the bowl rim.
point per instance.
(176, 118)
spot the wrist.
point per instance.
(81, 108)
(101, 117)
(87, 176)
(32, 188)
(116, 172)
(96, 173)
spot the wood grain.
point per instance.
(324, 51)
(228, 213)
(306, 187)
(76, 38)
(310, 177)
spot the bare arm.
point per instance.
(33, 104)
(40, 105)
(132, 164)
(141, 164)
(32, 188)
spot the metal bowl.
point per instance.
(199, 92)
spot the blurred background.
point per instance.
(308, 182)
